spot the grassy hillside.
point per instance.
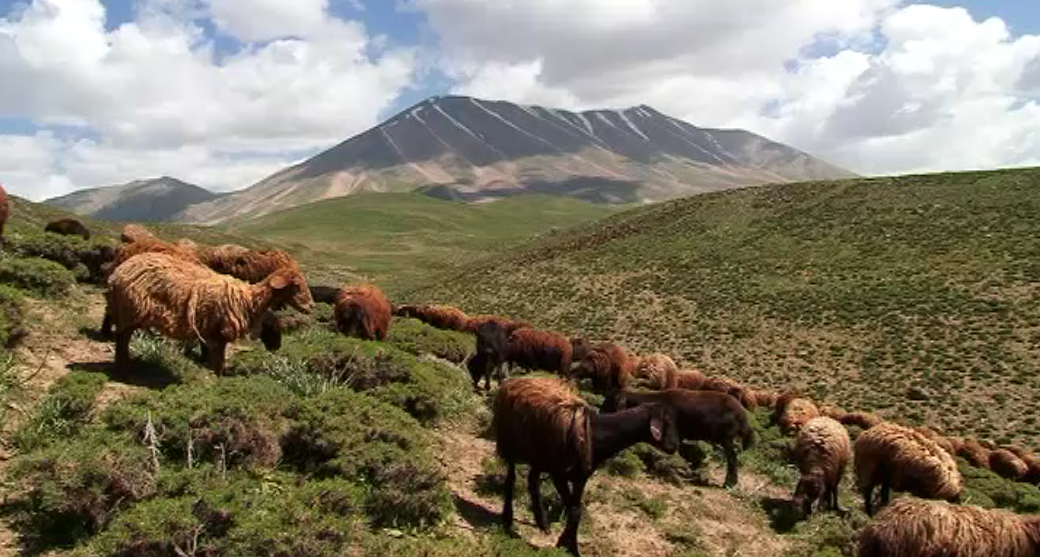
(400, 239)
(917, 296)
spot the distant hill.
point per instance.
(469, 149)
(155, 200)
(917, 296)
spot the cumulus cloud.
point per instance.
(875, 85)
(158, 83)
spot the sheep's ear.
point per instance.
(278, 282)
(656, 425)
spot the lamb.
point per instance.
(68, 227)
(252, 266)
(792, 412)
(709, 416)
(533, 349)
(917, 528)
(822, 451)
(490, 355)
(542, 422)
(185, 301)
(133, 232)
(897, 457)
(5, 210)
(1007, 465)
(609, 366)
(657, 372)
(862, 420)
(362, 311)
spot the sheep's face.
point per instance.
(807, 492)
(291, 288)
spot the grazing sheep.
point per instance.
(5, 210)
(690, 379)
(324, 294)
(822, 450)
(509, 325)
(184, 301)
(609, 366)
(943, 442)
(490, 355)
(831, 411)
(709, 416)
(252, 266)
(533, 349)
(440, 317)
(897, 457)
(1032, 464)
(765, 398)
(542, 422)
(917, 528)
(363, 312)
(68, 227)
(791, 412)
(657, 372)
(580, 347)
(975, 453)
(134, 232)
(1007, 465)
(862, 420)
(730, 387)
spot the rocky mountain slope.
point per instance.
(474, 150)
(153, 200)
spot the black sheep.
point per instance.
(68, 227)
(490, 356)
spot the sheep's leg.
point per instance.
(106, 325)
(731, 463)
(868, 499)
(563, 488)
(217, 355)
(507, 506)
(886, 488)
(533, 485)
(569, 537)
(123, 352)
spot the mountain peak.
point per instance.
(153, 199)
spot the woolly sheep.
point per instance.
(862, 420)
(440, 317)
(897, 457)
(534, 349)
(657, 372)
(792, 412)
(133, 232)
(251, 266)
(974, 452)
(916, 528)
(1007, 464)
(508, 325)
(822, 451)
(185, 301)
(68, 227)
(542, 422)
(609, 366)
(362, 311)
(730, 387)
(1032, 462)
(490, 355)
(689, 379)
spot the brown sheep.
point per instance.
(831, 411)
(610, 368)
(690, 379)
(580, 346)
(717, 418)
(792, 412)
(133, 232)
(5, 210)
(68, 227)
(862, 420)
(657, 372)
(542, 422)
(509, 325)
(943, 442)
(184, 301)
(534, 349)
(897, 457)
(1007, 465)
(975, 453)
(252, 266)
(1032, 464)
(765, 398)
(822, 451)
(363, 312)
(917, 528)
(440, 317)
(729, 386)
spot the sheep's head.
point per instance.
(290, 287)
(271, 332)
(808, 491)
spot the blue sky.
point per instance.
(86, 106)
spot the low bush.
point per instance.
(40, 277)
(415, 337)
(986, 489)
(12, 316)
(62, 412)
(85, 258)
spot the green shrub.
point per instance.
(85, 258)
(12, 316)
(41, 277)
(62, 412)
(415, 337)
(986, 489)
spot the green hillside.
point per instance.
(918, 296)
(401, 238)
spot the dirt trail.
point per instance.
(720, 520)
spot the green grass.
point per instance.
(401, 238)
(859, 292)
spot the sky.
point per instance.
(223, 93)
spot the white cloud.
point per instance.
(901, 87)
(156, 84)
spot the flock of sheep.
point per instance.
(218, 295)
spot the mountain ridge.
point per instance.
(149, 200)
(469, 149)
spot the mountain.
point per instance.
(469, 149)
(155, 200)
(913, 296)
